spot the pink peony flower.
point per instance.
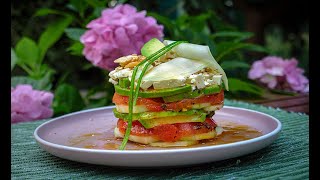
(278, 73)
(118, 32)
(28, 104)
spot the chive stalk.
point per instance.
(134, 91)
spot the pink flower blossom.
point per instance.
(118, 32)
(28, 104)
(278, 73)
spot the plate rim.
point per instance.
(160, 151)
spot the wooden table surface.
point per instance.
(296, 103)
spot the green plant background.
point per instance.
(47, 54)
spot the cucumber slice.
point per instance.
(150, 123)
(193, 94)
(154, 93)
(151, 47)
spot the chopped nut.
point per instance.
(126, 60)
(132, 64)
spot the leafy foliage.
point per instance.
(289, 45)
(239, 85)
(67, 99)
(41, 84)
(52, 34)
(226, 42)
(13, 59)
(191, 21)
(74, 33)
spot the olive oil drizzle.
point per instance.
(134, 91)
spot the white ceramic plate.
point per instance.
(54, 137)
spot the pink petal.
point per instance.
(257, 70)
(275, 71)
(118, 32)
(28, 104)
(271, 81)
(131, 29)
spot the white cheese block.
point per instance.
(116, 74)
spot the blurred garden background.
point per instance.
(46, 51)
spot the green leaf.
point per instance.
(233, 34)
(290, 93)
(97, 12)
(45, 72)
(97, 3)
(97, 97)
(87, 66)
(95, 103)
(255, 47)
(165, 21)
(67, 99)
(42, 84)
(122, 1)
(52, 34)
(27, 52)
(228, 65)
(13, 59)
(47, 11)
(236, 85)
(225, 48)
(74, 33)
(76, 48)
(199, 23)
(219, 24)
(80, 6)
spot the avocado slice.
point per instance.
(151, 47)
(152, 119)
(193, 94)
(124, 82)
(154, 93)
(152, 115)
(150, 123)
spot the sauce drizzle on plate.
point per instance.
(233, 132)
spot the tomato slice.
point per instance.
(169, 132)
(157, 104)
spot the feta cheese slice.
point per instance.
(216, 79)
(199, 81)
(121, 73)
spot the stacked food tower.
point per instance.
(168, 95)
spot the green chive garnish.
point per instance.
(134, 92)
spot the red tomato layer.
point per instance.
(169, 132)
(157, 104)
